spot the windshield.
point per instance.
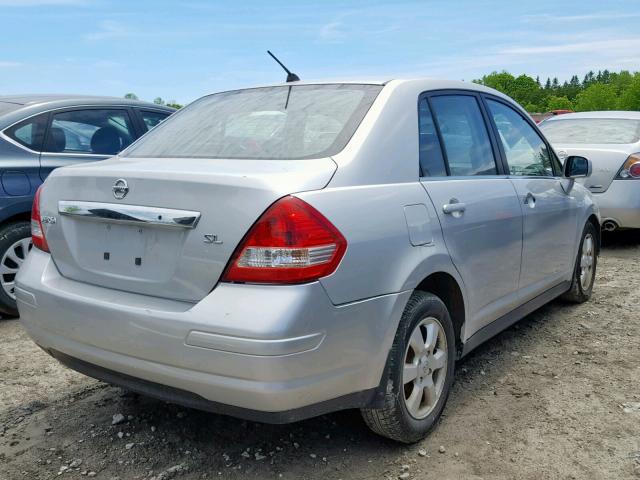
(592, 130)
(285, 122)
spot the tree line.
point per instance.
(603, 90)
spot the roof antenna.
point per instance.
(291, 77)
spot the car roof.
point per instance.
(425, 83)
(597, 114)
(33, 99)
(416, 85)
(15, 108)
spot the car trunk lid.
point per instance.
(606, 163)
(173, 231)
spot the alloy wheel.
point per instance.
(586, 261)
(10, 264)
(425, 367)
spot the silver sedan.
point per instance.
(280, 252)
(611, 140)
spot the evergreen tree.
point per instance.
(604, 90)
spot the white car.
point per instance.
(611, 140)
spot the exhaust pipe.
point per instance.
(609, 226)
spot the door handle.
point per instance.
(454, 207)
(530, 200)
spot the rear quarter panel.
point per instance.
(380, 258)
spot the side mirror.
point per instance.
(577, 167)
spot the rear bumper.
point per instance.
(174, 395)
(280, 351)
(620, 203)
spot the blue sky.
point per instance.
(182, 50)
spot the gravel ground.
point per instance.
(554, 397)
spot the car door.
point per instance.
(85, 134)
(20, 168)
(476, 204)
(550, 210)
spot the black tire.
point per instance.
(579, 293)
(394, 420)
(9, 235)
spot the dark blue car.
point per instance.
(41, 132)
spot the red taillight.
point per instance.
(290, 243)
(37, 232)
(631, 167)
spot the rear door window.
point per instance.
(29, 132)
(152, 118)
(431, 159)
(92, 131)
(465, 136)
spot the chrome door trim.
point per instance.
(129, 214)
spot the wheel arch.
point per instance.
(593, 219)
(446, 288)
(14, 211)
(18, 217)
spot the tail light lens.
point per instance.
(631, 168)
(290, 243)
(37, 232)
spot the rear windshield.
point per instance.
(592, 130)
(285, 122)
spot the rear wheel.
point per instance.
(15, 244)
(584, 273)
(420, 372)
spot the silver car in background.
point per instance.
(611, 140)
(280, 252)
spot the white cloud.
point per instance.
(41, 3)
(597, 16)
(561, 55)
(108, 29)
(332, 32)
(107, 64)
(614, 46)
(352, 24)
(6, 64)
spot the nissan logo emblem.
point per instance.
(120, 188)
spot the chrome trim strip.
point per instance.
(129, 214)
(75, 154)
